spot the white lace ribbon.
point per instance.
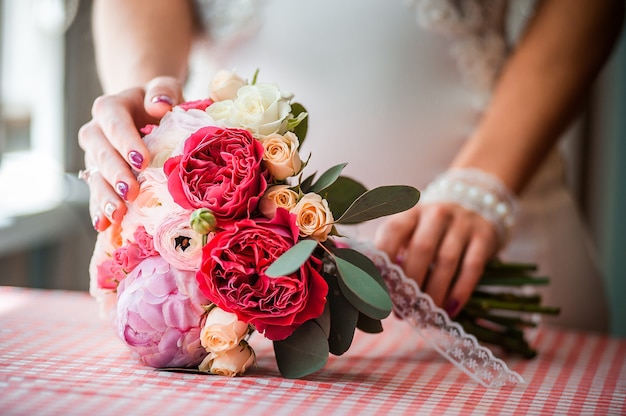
(433, 324)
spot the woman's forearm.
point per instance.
(541, 88)
(136, 40)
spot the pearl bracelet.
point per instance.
(479, 192)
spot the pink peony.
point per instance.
(232, 276)
(159, 310)
(220, 169)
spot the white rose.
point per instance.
(313, 216)
(178, 124)
(222, 331)
(225, 85)
(222, 111)
(229, 363)
(261, 108)
(277, 196)
(281, 155)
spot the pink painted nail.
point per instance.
(164, 99)
(135, 159)
(122, 189)
(95, 221)
(451, 306)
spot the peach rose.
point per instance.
(313, 217)
(277, 196)
(230, 363)
(281, 155)
(225, 85)
(222, 331)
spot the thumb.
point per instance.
(162, 93)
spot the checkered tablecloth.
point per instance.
(57, 358)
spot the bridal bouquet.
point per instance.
(228, 237)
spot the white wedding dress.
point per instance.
(392, 99)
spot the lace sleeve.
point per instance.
(223, 20)
(438, 330)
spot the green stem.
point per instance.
(488, 304)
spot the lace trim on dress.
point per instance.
(224, 20)
(478, 28)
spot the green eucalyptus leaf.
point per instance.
(305, 185)
(363, 262)
(303, 352)
(379, 202)
(369, 325)
(300, 130)
(291, 260)
(327, 178)
(342, 193)
(343, 318)
(362, 290)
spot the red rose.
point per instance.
(220, 169)
(232, 276)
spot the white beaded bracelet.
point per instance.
(477, 191)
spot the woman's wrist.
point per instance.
(479, 192)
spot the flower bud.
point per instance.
(230, 363)
(203, 221)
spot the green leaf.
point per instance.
(301, 129)
(378, 202)
(303, 352)
(292, 259)
(305, 185)
(343, 318)
(362, 290)
(363, 262)
(342, 193)
(327, 178)
(369, 325)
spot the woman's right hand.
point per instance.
(114, 150)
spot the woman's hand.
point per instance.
(114, 150)
(443, 247)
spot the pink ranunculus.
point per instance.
(159, 311)
(178, 243)
(232, 275)
(220, 169)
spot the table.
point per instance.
(58, 358)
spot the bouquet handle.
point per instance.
(435, 326)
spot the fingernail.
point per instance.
(135, 159)
(109, 210)
(122, 189)
(165, 99)
(451, 306)
(95, 220)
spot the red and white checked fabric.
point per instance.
(58, 358)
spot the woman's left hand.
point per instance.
(443, 247)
